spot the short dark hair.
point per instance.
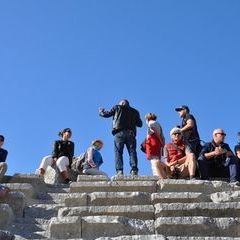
(2, 138)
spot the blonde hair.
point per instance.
(150, 116)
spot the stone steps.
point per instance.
(145, 212)
(200, 226)
(215, 210)
(45, 211)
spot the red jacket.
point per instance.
(175, 151)
(153, 147)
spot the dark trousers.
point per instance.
(125, 137)
(210, 169)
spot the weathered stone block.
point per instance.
(5, 235)
(138, 211)
(122, 186)
(25, 188)
(119, 198)
(65, 228)
(180, 185)
(76, 199)
(6, 215)
(136, 237)
(179, 197)
(108, 226)
(199, 226)
(229, 196)
(198, 209)
(53, 176)
(16, 200)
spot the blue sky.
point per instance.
(62, 60)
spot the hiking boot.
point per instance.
(119, 173)
(134, 173)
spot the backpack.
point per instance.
(78, 162)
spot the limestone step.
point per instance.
(28, 230)
(93, 227)
(16, 200)
(25, 188)
(96, 178)
(32, 221)
(145, 212)
(121, 186)
(179, 197)
(231, 209)
(54, 197)
(42, 210)
(6, 215)
(181, 185)
(107, 198)
(162, 237)
(198, 226)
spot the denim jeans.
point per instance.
(228, 169)
(125, 137)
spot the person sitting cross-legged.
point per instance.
(179, 160)
(216, 159)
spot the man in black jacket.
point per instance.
(125, 121)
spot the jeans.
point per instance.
(228, 169)
(125, 137)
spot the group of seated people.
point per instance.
(215, 160)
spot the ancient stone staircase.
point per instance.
(123, 208)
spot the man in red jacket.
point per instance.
(179, 159)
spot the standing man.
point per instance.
(125, 121)
(3, 157)
(189, 129)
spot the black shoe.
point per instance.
(119, 173)
(67, 181)
(134, 173)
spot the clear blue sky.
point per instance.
(62, 60)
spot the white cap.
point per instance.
(175, 130)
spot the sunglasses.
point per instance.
(223, 134)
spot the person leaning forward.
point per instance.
(125, 121)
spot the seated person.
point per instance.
(179, 160)
(3, 157)
(61, 157)
(237, 151)
(93, 159)
(217, 160)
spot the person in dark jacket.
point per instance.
(62, 155)
(3, 157)
(217, 160)
(237, 148)
(125, 121)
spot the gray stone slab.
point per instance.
(136, 237)
(76, 199)
(119, 198)
(145, 212)
(181, 197)
(109, 226)
(199, 226)
(65, 228)
(42, 210)
(6, 215)
(92, 178)
(16, 200)
(229, 196)
(198, 209)
(122, 186)
(181, 185)
(25, 188)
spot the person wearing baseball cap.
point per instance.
(189, 129)
(180, 162)
(3, 157)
